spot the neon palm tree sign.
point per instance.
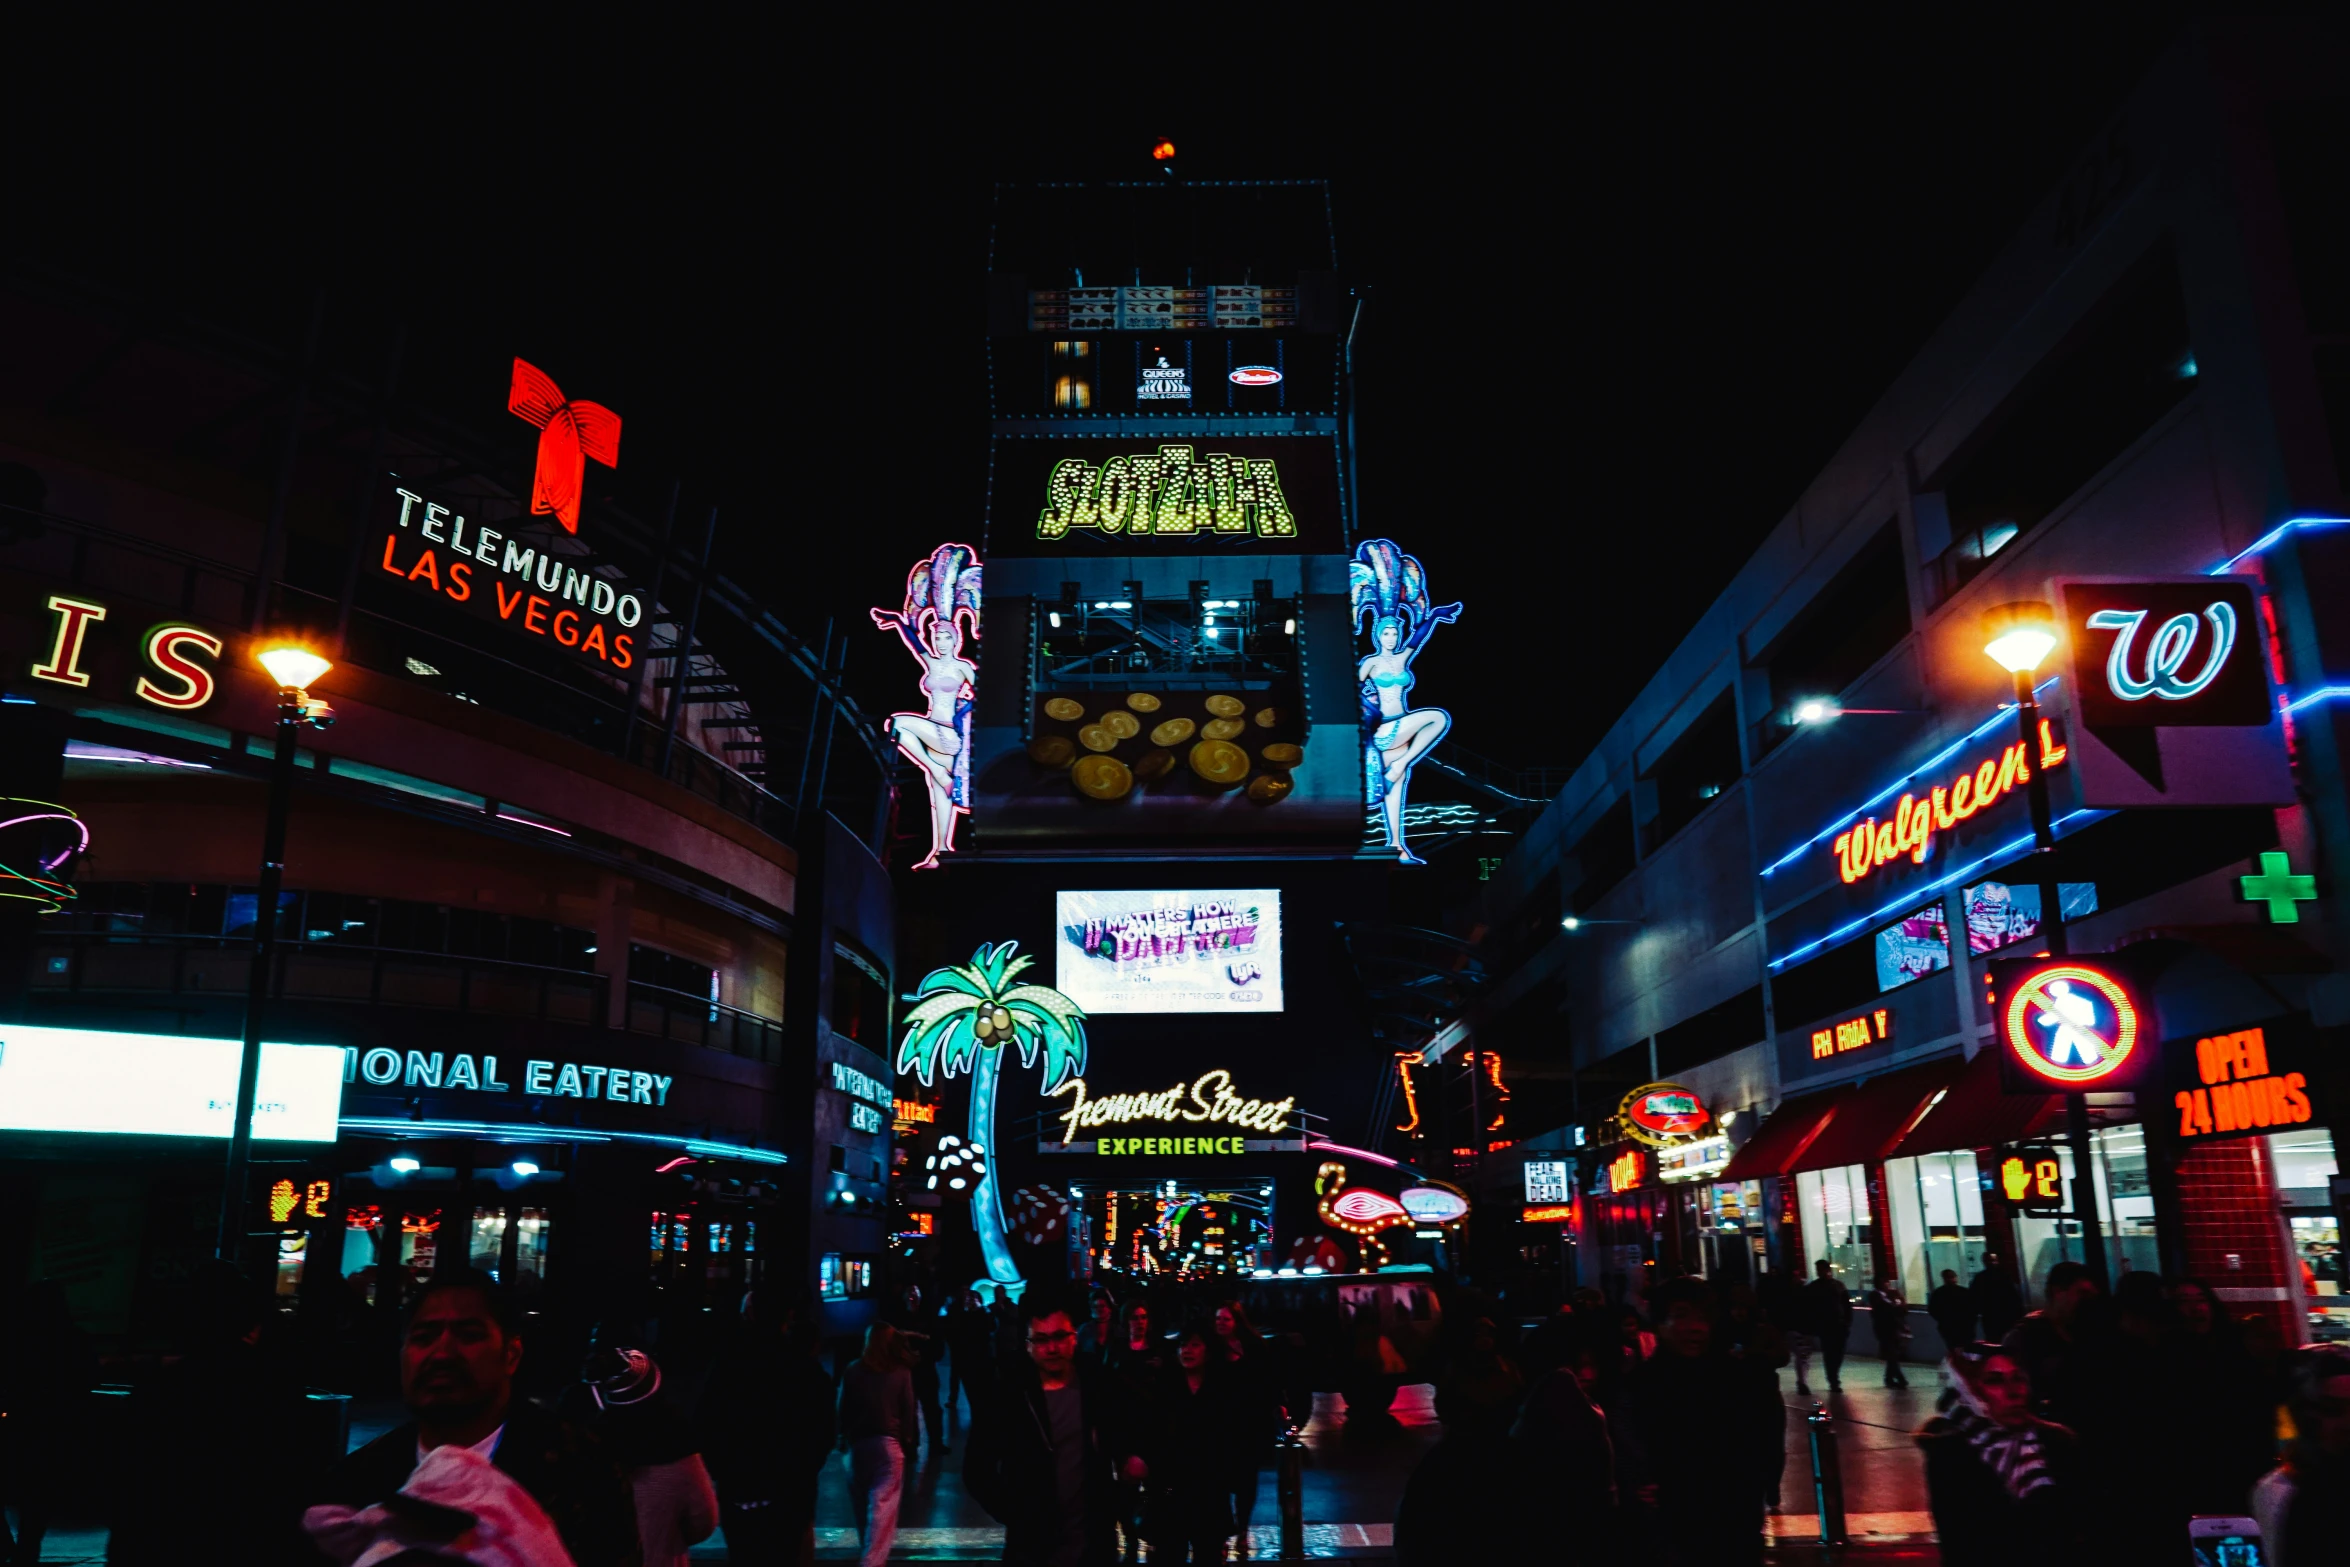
(963, 1017)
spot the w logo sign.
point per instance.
(569, 434)
(2171, 654)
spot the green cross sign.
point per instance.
(2277, 887)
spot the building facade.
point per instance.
(573, 948)
(1781, 882)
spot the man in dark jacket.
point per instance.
(1044, 1454)
(1829, 1306)
(457, 1365)
(1953, 1309)
(1699, 1441)
(767, 1428)
(1997, 1301)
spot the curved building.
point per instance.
(561, 894)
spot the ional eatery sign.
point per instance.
(1209, 1102)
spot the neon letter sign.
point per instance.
(569, 434)
(168, 648)
(1209, 1098)
(2167, 654)
(1852, 1034)
(73, 628)
(1167, 492)
(1390, 603)
(942, 601)
(1911, 827)
(963, 1017)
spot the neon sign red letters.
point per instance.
(1852, 1033)
(569, 434)
(1909, 830)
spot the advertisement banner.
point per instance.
(162, 1085)
(1191, 951)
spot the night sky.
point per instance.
(1630, 288)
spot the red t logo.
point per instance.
(569, 434)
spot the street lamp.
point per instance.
(294, 668)
(2018, 638)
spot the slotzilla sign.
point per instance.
(2168, 681)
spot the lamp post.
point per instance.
(293, 668)
(2018, 638)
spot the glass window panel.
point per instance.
(1912, 1215)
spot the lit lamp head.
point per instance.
(1816, 710)
(2020, 636)
(294, 668)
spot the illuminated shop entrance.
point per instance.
(1174, 1228)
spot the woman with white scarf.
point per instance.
(2000, 1479)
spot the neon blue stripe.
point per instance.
(2004, 714)
(2292, 525)
(1911, 898)
(532, 1132)
(2321, 694)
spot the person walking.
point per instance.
(1999, 1479)
(878, 1422)
(1099, 1336)
(1191, 1448)
(1698, 1440)
(1794, 1313)
(768, 1426)
(972, 1352)
(2304, 1503)
(458, 1362)
(1254, 1386)
(1043, 1456)
(2227, 1404)
(1889, 1320)
(620, 1394)
(1998, 1305)
(2048, 1344)
(1953, 1309)
(1829, 1306)
(44, 1395)
(1139, 1367)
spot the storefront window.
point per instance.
(2125, 1211)
(510, 1245)
(292, 1245)
(1838, 1227)
(1937, 1217)
(2305, 1167)
(1731, 1230)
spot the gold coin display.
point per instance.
(1051, 750)
(1094, 737)
(1270, 787)
(1101, 777)
(1173, 732)
(1267, 717)
(1226, 706)
(1219, 761)
(1124, 725)
(1064, 708)
(1153, 764)
(1282, 754)
(1142, 701)
(1221, 728)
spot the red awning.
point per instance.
(1978, 1113)
(1784, 1136)
(1876, 1115)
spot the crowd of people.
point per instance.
(1650, 1432)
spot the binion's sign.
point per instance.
(1661, 1114)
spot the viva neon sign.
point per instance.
(1911, 829)
(2167, 653)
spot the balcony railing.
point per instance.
(109, 963)
(689, 1019)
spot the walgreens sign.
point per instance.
(1917, 821)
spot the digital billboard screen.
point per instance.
(1216, 950)
(1204, 496)
(162, 1085)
